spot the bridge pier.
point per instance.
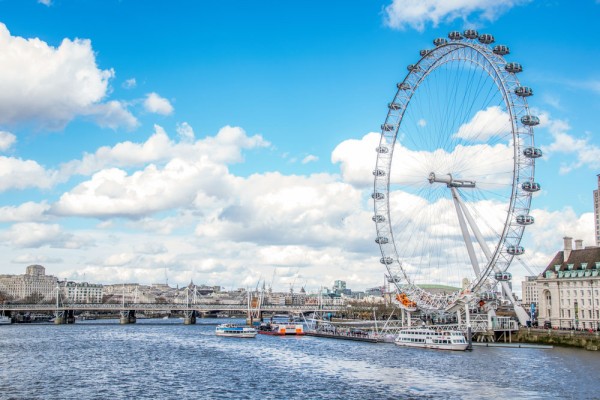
(127, 317)
(64, 317)
(189, 317)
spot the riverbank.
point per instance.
(581, 339)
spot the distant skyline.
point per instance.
(228, 142)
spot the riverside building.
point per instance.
(597, 212)
(569, 288)
(34, 285)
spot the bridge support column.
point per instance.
(64, 317)
(189, 317)
(127, 317)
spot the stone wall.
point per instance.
(567, 338)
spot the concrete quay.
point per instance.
(564, 338)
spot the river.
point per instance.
(163, 359)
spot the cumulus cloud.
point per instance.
(47, 3)
(416, 14)
(35, 259)
(158, 105)
(16, 173)
(7, 139)
(48, 86)
(485, 124)
(185, 132)
(129, 83)
(26, 212)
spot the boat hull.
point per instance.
(234, 331)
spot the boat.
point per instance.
(281, 329)
(232, 330)
(432, 339)
(4, 320)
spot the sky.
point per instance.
(229, 142)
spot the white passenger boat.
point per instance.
(232, 330)
(4, 320)
(431, 339)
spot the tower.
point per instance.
(597, 212)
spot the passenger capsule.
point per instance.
(501, 50)
(530, 120)
(471, 34)
(440, 41)
(403, 86)
(378, 196)
(386, 260)
(531, 186)
(413, 68)
(503, 276)
(387, 127)
(378, 172)
(394, 106)
(382, 150)
(486, 38)
(381, 240)
(525, 219)
(378, 218)
(515, 250)
(488, 296)
(424, 53)
(532, 152)
(524, 91)
(513, 67)
(455, 35)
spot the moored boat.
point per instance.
(281, 329)
(431, 339)
(4, 320)
(232, 330)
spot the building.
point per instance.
(597, 212)
(529, 290)
(81, 292)
(33, 286)
(569, 288)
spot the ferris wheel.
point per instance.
(455, 174)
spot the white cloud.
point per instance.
(185, 132)
(26, 212)
(35, 259)
(21, 174)
(47, 86)
(586, 153)
(401, 14)
(36, 235)
(158, 105)
(47, 3)
(129, 83)
(7, 139)
(309, 158)
(488, 123)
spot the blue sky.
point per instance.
(286, 83)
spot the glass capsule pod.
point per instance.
(515, 250)
(387, 127)
(386, 260)
(394, 106)
(378, 218)
(424, 52)
(378, 196)
(532, 152)
(486, 38)
(488, 296)
(525, 219)
(513, 67)
(403, 86)
(501, 50)
(530, 120)
(471, 34)
(503, 276)
(378, 172)
(382, 150)
(413, 67)
(440, 41)
(531, 186)
(524, 91)
(381, 240)
(455, 35)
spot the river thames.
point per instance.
(163, 359)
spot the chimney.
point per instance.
(578, 244)
(568, 247)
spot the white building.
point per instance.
(597, 212)
(81, 292)
(35, 283)
(529, 292)
(569, 288)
